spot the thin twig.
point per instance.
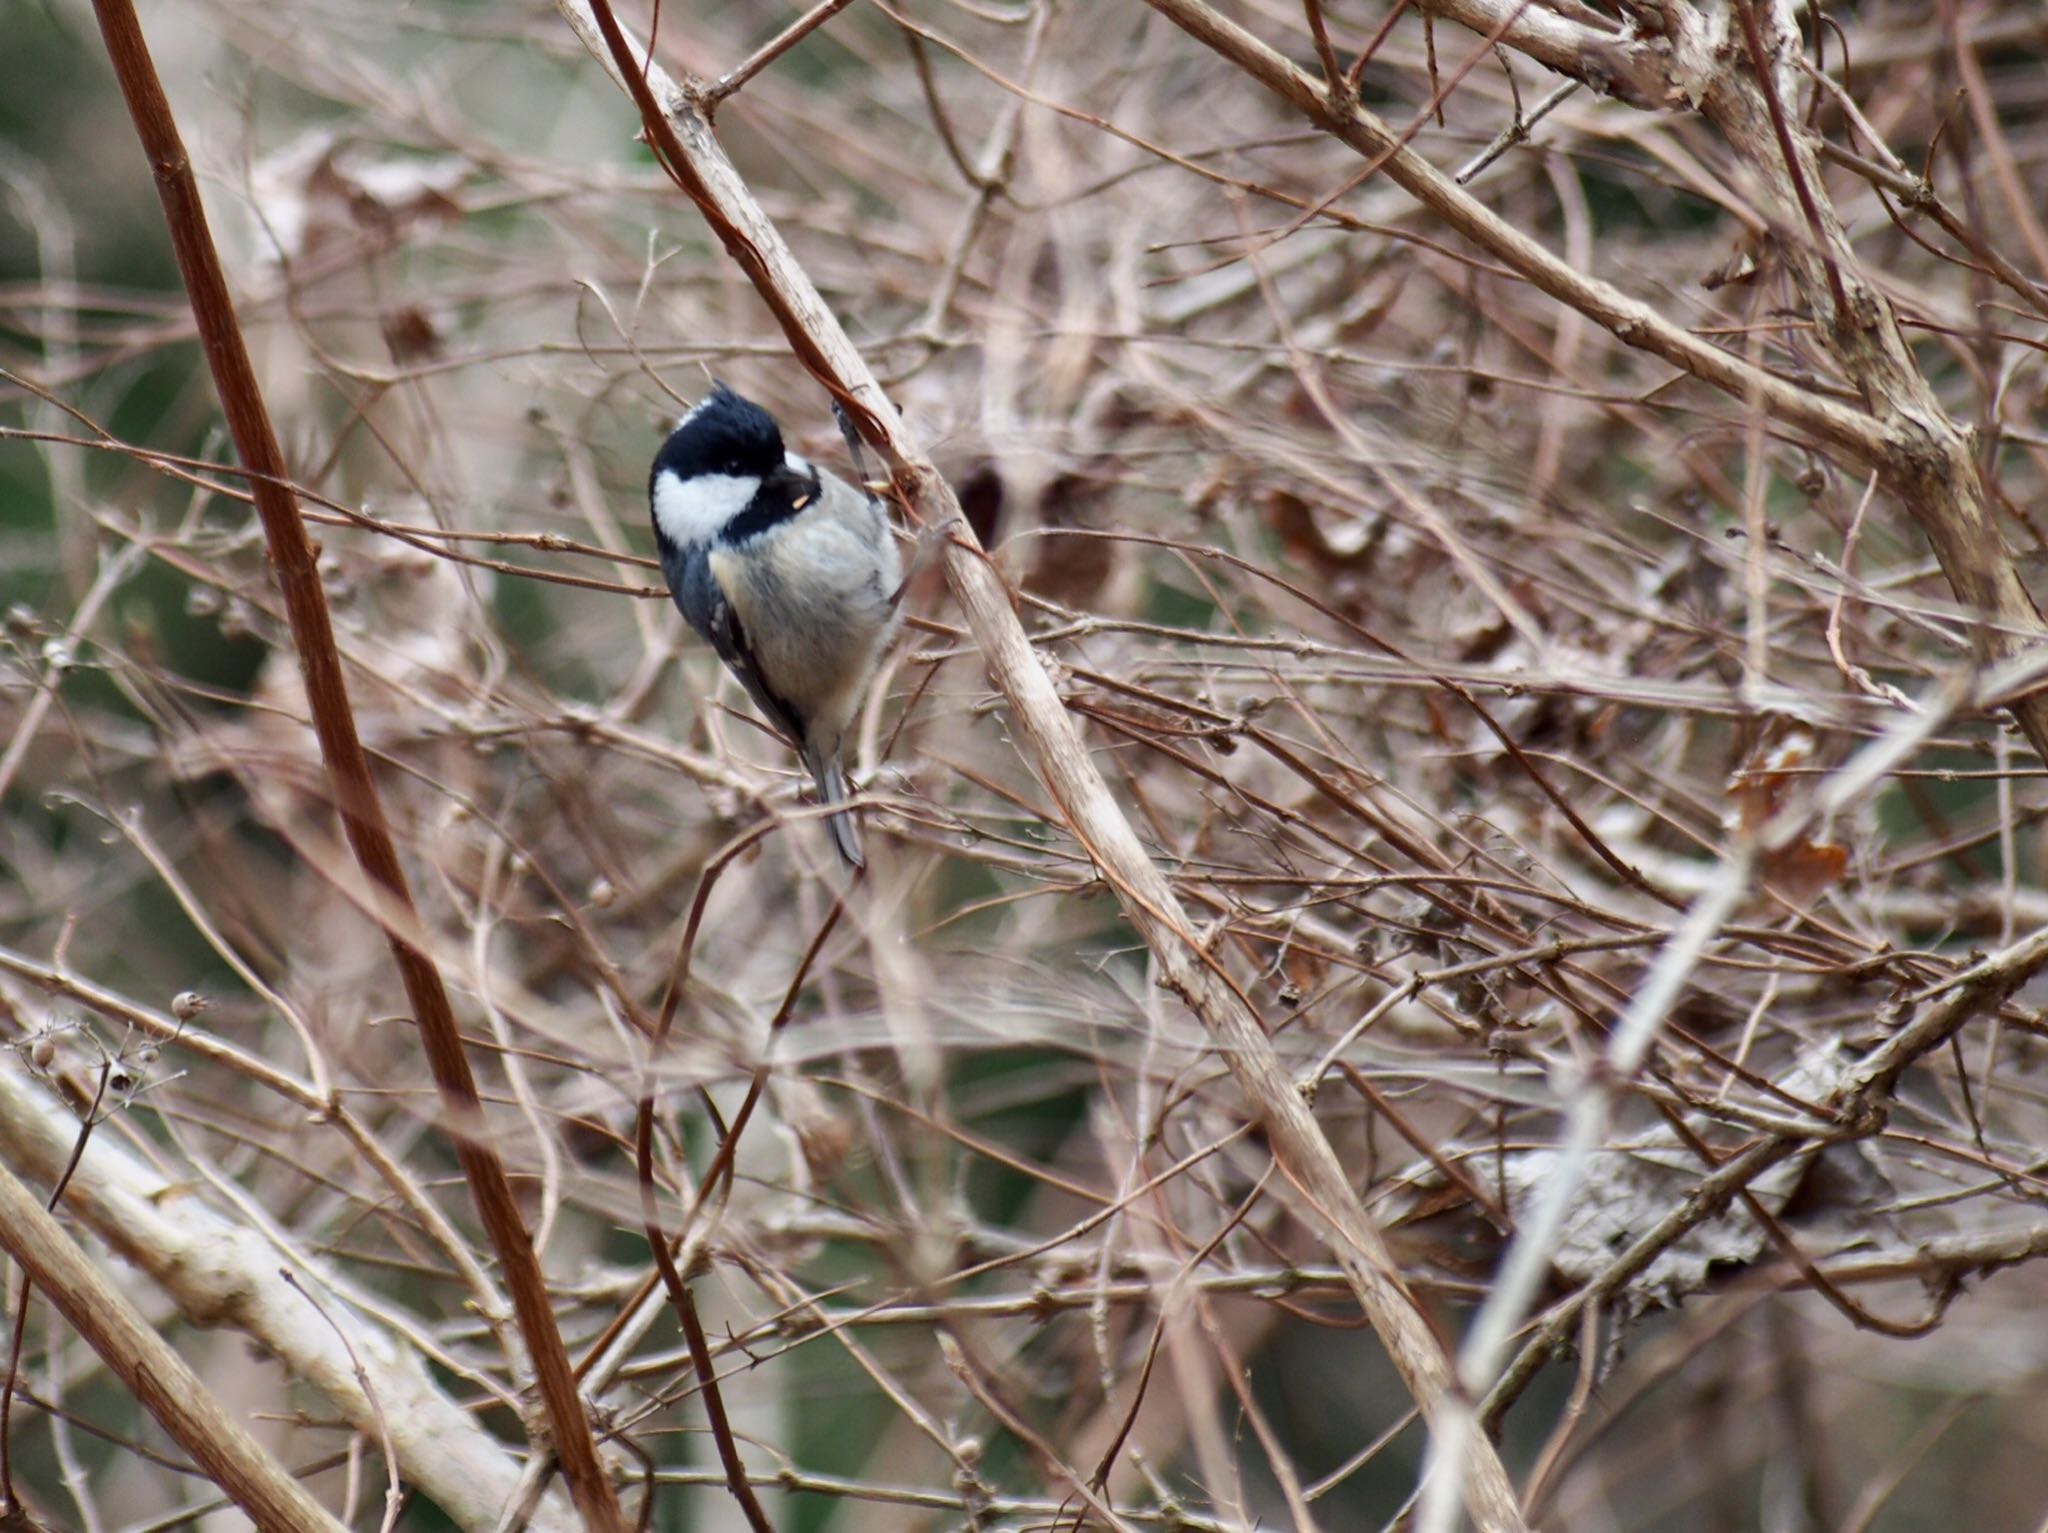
(770, 51)
(1516, 132)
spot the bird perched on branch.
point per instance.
(789, 572)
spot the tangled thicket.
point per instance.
(1602, 781)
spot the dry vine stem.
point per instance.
(678, 131)
(348, 767)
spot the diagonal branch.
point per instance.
(676, 127)
(150, 1369)
(220, 1273)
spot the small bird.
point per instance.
(789, 572)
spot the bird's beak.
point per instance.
(800, 488)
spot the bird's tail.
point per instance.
(831, 780)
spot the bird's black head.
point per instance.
(725, 435)
(723, 475)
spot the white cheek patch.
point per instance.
(693, 510)
(798, 466)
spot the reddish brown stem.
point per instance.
(348, 768)
(1759, 61)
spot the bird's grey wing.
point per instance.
(703, 602)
